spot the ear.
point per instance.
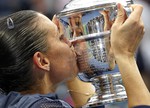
(41, 61)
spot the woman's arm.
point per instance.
(80, 91)
(125, 37)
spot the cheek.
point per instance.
(62, 61)
(63, 65)
(60, 71)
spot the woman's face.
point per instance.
(61, 55)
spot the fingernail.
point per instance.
(54, 16)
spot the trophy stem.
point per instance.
(109, 89)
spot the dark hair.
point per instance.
(17, 47)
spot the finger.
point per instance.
(106, 20)
(58, 24)
(137, 12)
(111, 60)
(121, 15)
(55, 20)
(61, 28)
(72, 22)
(135, 16)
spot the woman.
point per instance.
(35, 56)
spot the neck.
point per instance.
(42, 86)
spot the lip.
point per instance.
(74, 52)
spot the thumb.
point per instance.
(59, 25)
(121, 14)
(55, 20)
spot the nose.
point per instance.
(71, 45)
(67, 41)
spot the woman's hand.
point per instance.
(125, 38)
(127, 32)
(59, 25)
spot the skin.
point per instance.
(76, 87)
(61, 56)
(57, 64)
(125, 38)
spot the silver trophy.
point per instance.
(87, 25)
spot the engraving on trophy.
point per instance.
(87, 24)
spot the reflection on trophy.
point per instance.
(87, 24)
(81, 48)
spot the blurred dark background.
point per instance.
(51, 7)
(47, 7)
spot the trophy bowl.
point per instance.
(87, 24)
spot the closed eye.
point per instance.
(61, 37)
(64, 39)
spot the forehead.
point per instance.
(46, 23)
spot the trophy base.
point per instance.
(109, 89)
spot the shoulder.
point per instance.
(50, 103)
(15, 99)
